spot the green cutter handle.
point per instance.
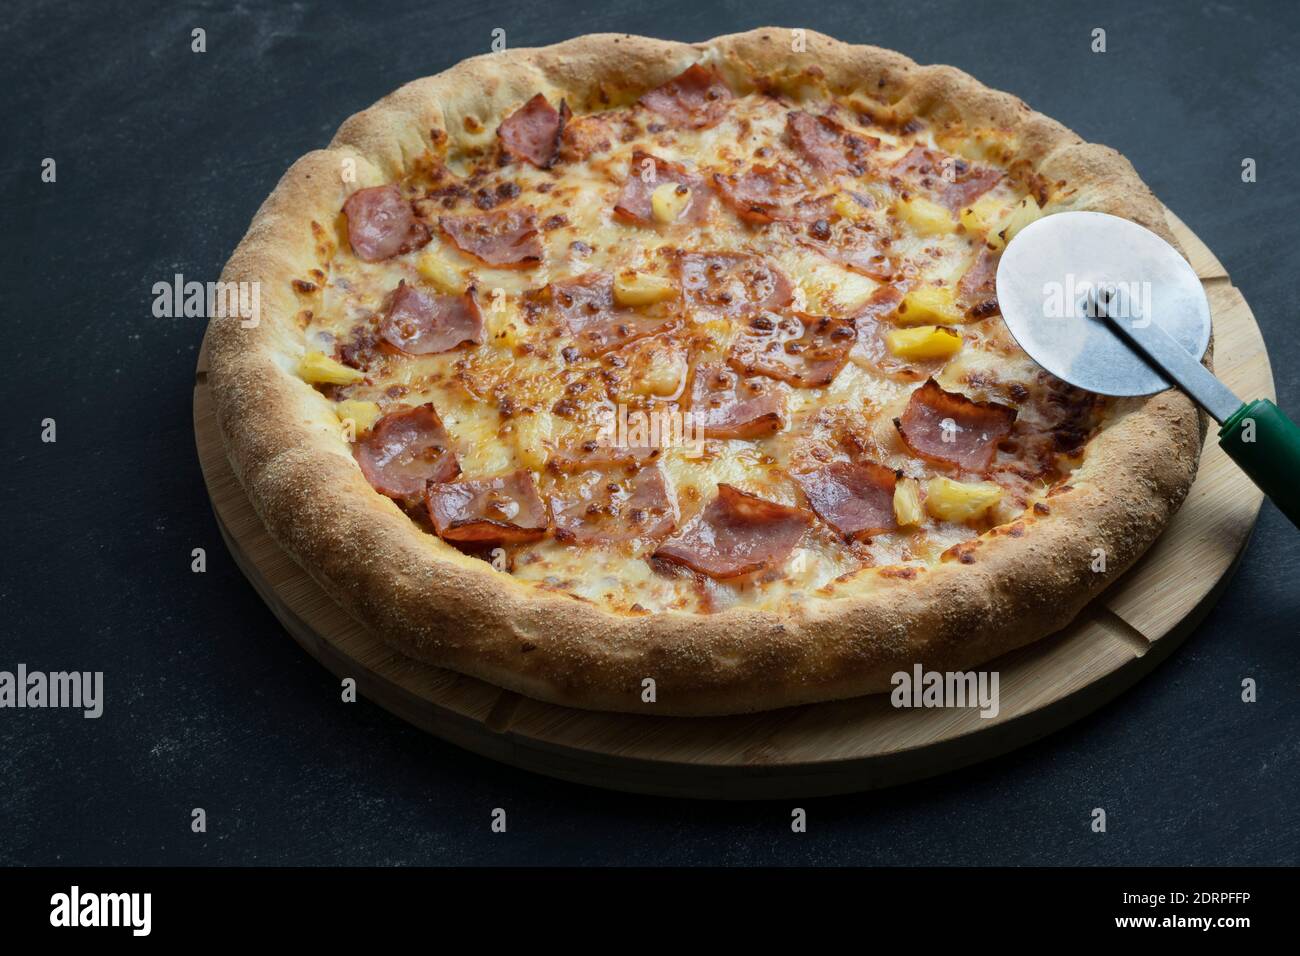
(1266, 444)
(1256, 435)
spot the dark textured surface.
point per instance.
(163, 156)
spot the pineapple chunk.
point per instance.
(363, 415)
(532, 432)
(924, 342)
(846, 207)
(983, 145)
(1000, 227)
(668, 200)
(714, 334)
(984, 216)
(633, 288)
(925, 217)
(502, 329)
(317, 368)
(441, 274)
(969, 147)
(1024, 212)
(950, 500)
(878, 194)
(907, 502)
(658, 371)
(929, 305)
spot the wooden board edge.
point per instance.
(504, 740)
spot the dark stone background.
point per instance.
(163, 156)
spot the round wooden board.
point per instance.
(817, 749)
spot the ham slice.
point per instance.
(695, 99)
(598, 325)
(420, 323)
(591, 455)
(917, 165)
(978, 288)
(725, 405)
(735, 534)
(505, 509)
(633, 203)
(872, 322)
(972, 182)
(507, 238)
(360, 347)
(598, 508)
(856, 249)
(532, 132)
(733, 284)
(882, 303)
(763, 194)
(857, 500)
(585, 136)
(404, 451)
(826, 145)
(381, 224)
(952, 181)
(807, 351)
(970, 439)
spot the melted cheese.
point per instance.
(480, 392)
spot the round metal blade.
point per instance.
(1049, 276)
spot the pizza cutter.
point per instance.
(1110, 307)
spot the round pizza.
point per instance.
(625, 364)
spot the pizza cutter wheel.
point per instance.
(1109, 306)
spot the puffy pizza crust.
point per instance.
(430, 601)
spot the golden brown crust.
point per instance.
(430, 601)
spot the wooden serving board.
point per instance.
(816, 749)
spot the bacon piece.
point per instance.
(418, 323)
(598, 508)
(978, 288)
(807, 351)
(857, 500)
(733, 284)
(735, 534)
(404, 451)
(505, 509)
(953, 181)
(968, 440)
(634, 201)
(587, 305)
(503, 237)
(696, 98)
(763, 194)
(381, 224)
(532, 132)
(826, 145)
(723, 405)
